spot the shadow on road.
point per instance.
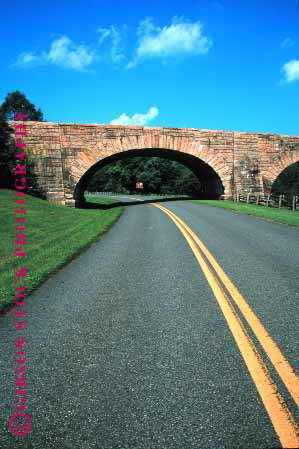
(89, 205)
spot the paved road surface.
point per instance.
(129, 348)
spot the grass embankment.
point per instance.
(104, 200)
(279, 215)
(100, 200)
(55, 234)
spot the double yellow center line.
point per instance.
(221, 285)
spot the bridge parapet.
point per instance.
(65, 153)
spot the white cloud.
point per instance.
(27, 58)
(179, 38)
(287, 43)
(291, 70)
(63, 52)
(115, 36)
(136, 119)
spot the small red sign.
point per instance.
(139, 185)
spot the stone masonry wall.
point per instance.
(245, 162)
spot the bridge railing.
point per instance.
(286, 201)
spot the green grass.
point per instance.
(55, 234)
(279, 215)
(100, 200)
(103, 200)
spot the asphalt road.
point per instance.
(129, 349)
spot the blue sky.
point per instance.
(202, 64)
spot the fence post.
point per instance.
(279, 201)
(268, 200)
(257, 198)
(248, 196)
(294, 202)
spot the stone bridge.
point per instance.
(66, 155)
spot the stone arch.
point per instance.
(147, 144)
(277, 165)
(212, 182)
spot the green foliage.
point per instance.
(17, 102)
(157, 174)
(6, 153)
(14, 102)
(55, 234)
(288, 181)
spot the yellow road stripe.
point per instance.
(282, 366)
(282, 420)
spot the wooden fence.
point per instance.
(280, 201)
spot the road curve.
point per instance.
(128, 345)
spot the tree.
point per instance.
(288, 181)
(17, 102)
(13, 103)
(6, 155)
(158, 175)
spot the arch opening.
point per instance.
(210, 182)
(287, 182)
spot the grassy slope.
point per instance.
(100, 200)
(279, 215)
(104, 200)
(54, 235)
